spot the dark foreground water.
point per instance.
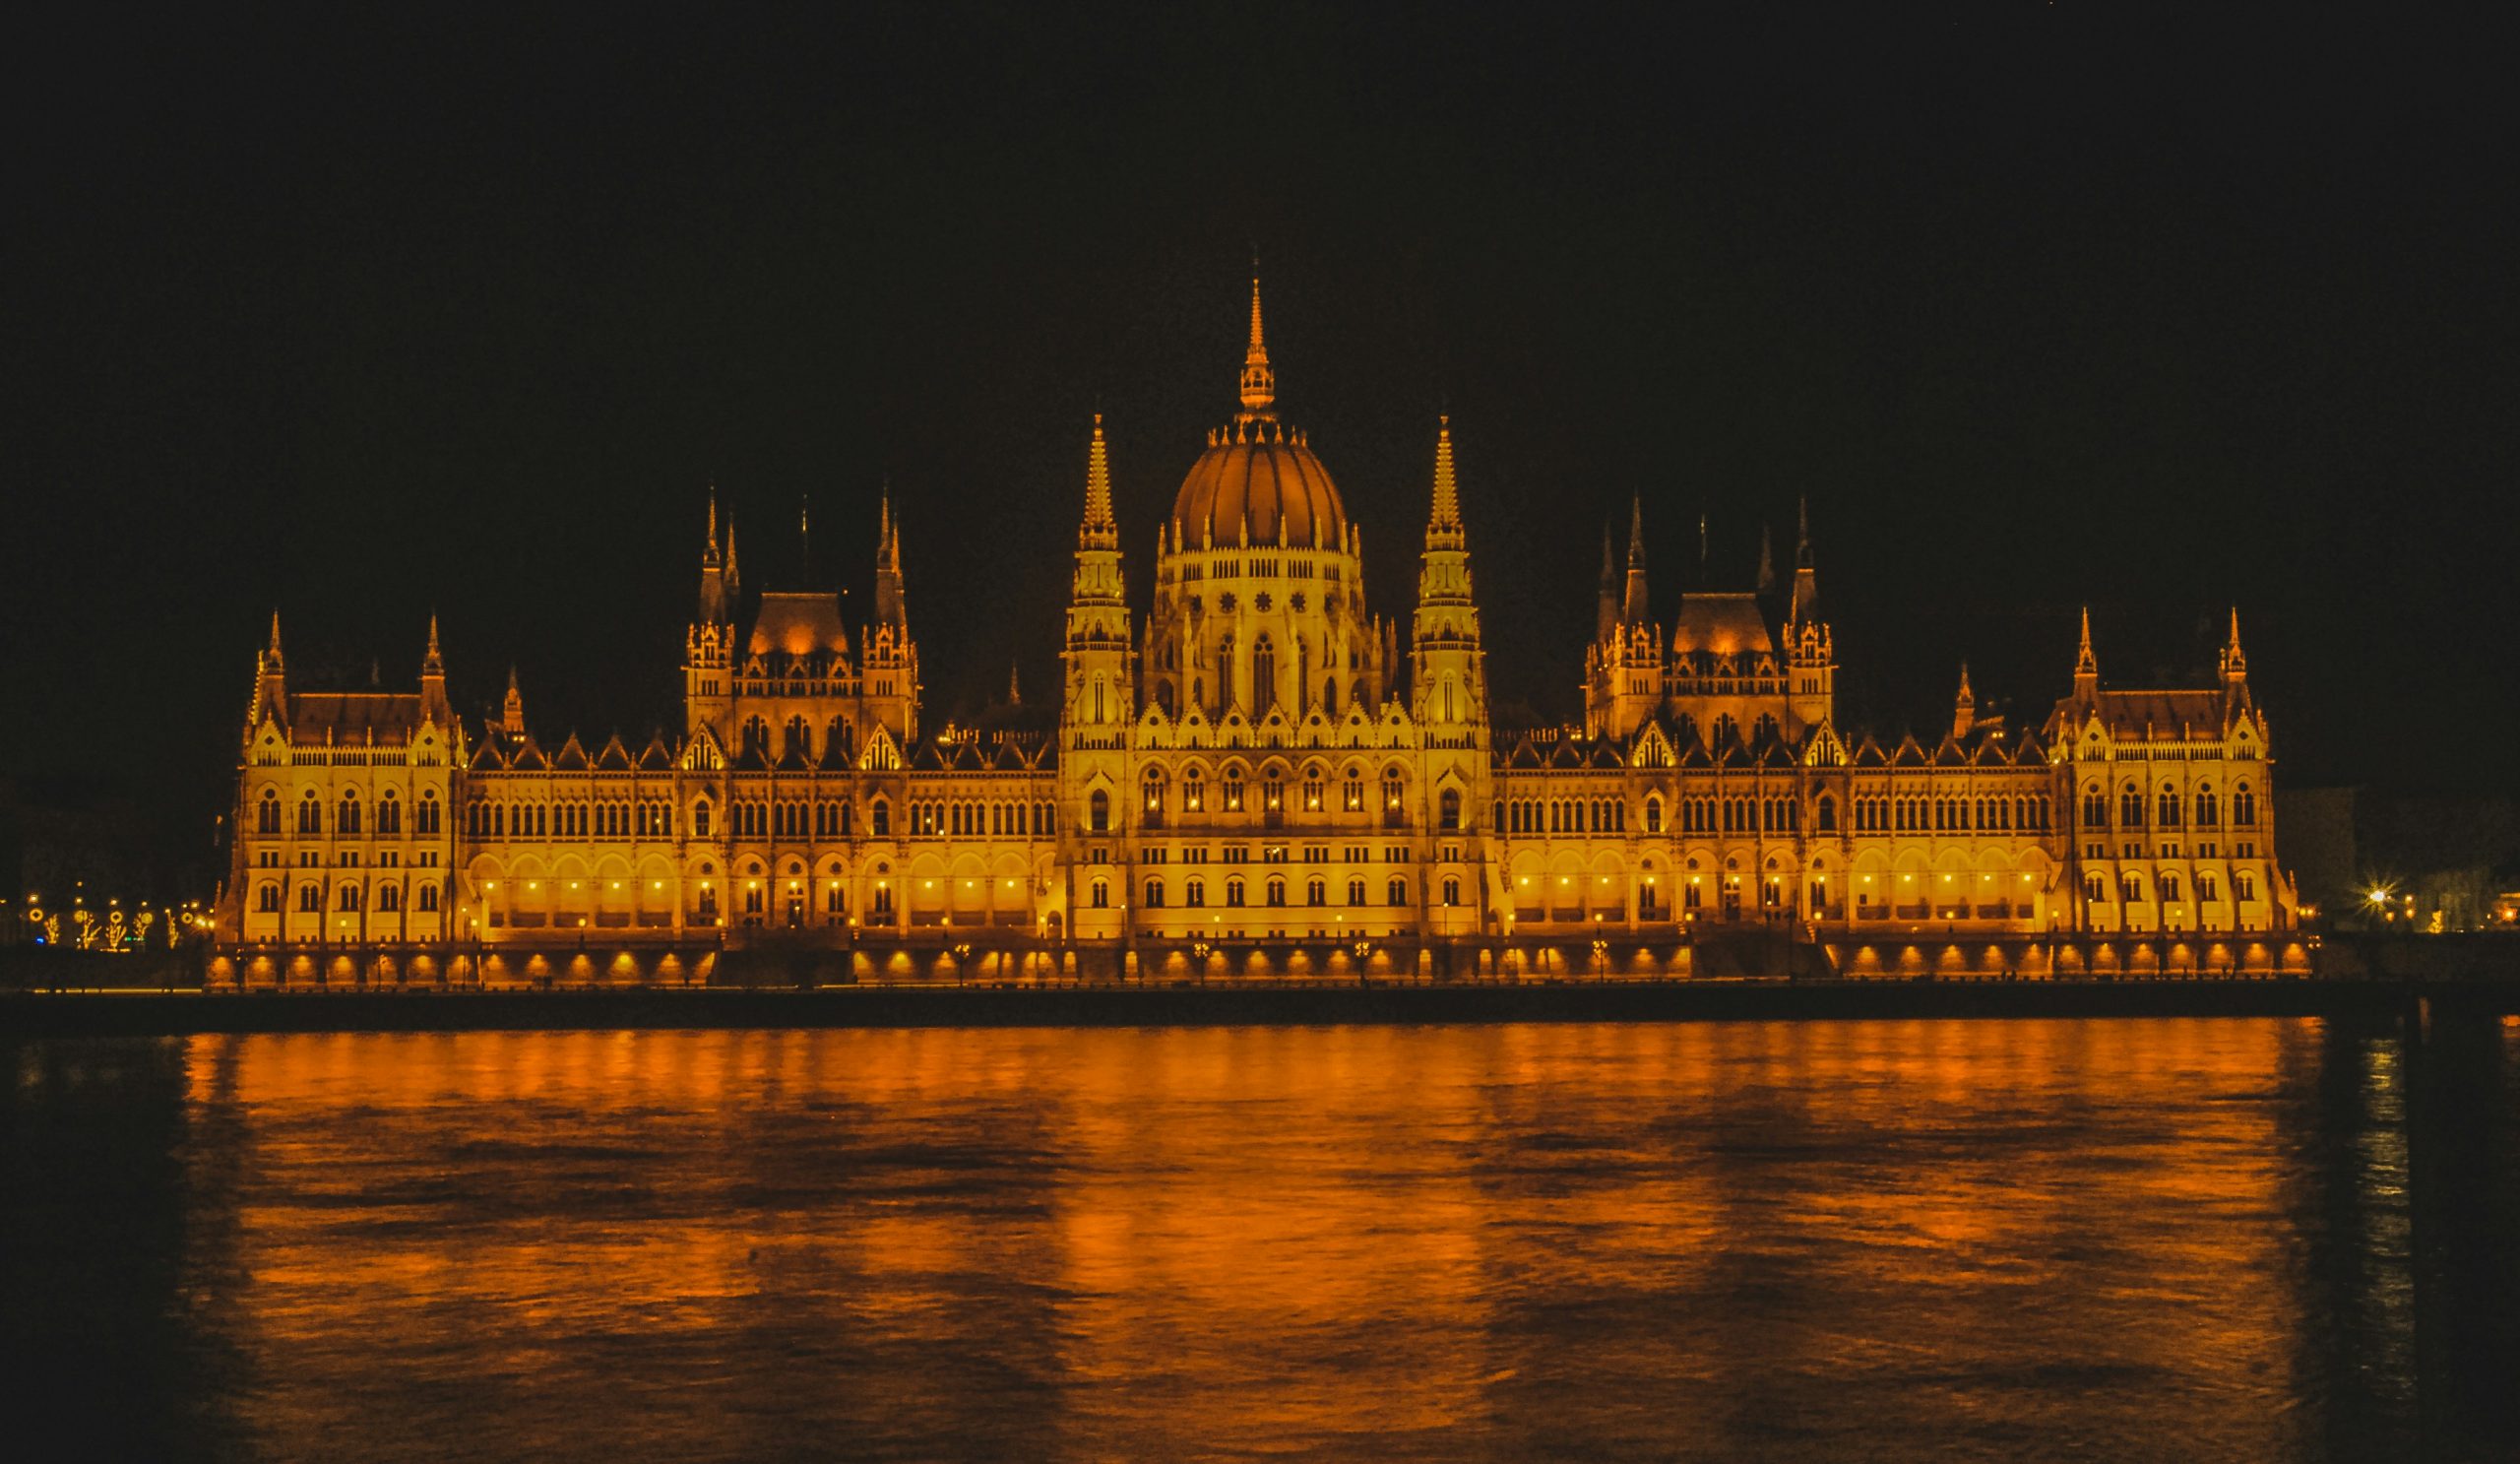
(2004, 1240)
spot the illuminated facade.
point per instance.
(1260, 760)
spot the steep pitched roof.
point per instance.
(797, 624)
(316, 717)
(1722, 622)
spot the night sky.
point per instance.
(363, 317)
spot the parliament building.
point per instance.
(1252, 770)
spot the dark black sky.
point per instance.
(2040, 305)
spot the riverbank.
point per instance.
(115, 1013)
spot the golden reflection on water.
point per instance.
(1973, 1240)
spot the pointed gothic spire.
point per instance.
(1767, 562)
(887, 566)
(430, 664)
(1964, 707)
(2235, 661)
(1446, 517)
(1014, 685)
(275, 647)
(511, 713)
(731, 575)
(709, 553)
(1638, 607)
(1098, 519)
(2086, 665)
(1259, 383)
(1807, 580)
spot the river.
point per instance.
(2193, 1240)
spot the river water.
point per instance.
(2195, 1240)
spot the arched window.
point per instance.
(1452, 889)
(350, 897)
(2244, 807)
(1316, 891)
(1826, 815)
(1264, 675)
(1232, 785)
(1653, 815)
(349, 821)
(428, 899)
(1277, 890)
(1099, 812)
(1393, 813)
(1154, 893)
(1396, 892)
(267, 899)
(1272, 791)
(1312, 789)
(1356, 891)
(1448, 809)
(1098, 894)
(310, 898)
(2131, 808)
(267, 819)
(2170, 806)
(2170, 888)
(1154, 791)
(2208, 808)
(1233, 892)
(1353, 791)
(700, 819)
(2095, 806)
(1194, 792)
(879, 819)
(1194, 892)
(388, 899)
(310, 814)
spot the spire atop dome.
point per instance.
(1259, 382)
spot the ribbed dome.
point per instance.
(1267, 476)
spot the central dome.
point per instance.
(1252, 483)
(1257, 482)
